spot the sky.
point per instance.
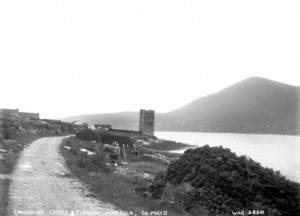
(67, 57)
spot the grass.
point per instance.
(168, 145)
(116, 185)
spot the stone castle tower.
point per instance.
(147, 122)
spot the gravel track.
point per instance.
(41, 185)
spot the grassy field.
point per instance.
(117, 185)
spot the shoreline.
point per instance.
(229, 133)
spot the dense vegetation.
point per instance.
(222, 182)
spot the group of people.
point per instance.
(121, 149)
(118, 151)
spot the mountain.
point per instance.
(254, 105)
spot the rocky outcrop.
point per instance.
(221, 182)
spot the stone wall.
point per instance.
(147, 122)
(9, 113)
(29, 115)
(15, 114)
(14, 123)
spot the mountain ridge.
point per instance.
(253, 105)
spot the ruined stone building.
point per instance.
(103, 126)
(146, 124)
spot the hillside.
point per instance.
(254, 105)
(121, 120)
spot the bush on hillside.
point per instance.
(221, 182)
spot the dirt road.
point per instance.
(41, 185)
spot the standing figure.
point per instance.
(134, 149)
(122, 151)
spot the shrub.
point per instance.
(221, 181)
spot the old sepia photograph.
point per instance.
(149, 108)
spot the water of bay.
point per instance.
(279, 152)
